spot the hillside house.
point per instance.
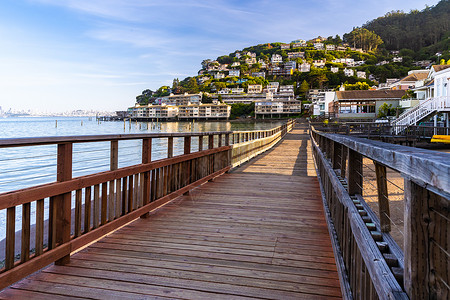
(219, 75)
(320, 63)
(254, 88)
(259, 74)
(304, 67)
(285, 46)
(319, 46)
(276, 58)
(349, 72)
(292, 55)
(234, 73)
(361, 74)
(413, 79)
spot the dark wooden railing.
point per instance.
(373, 265)
(83, 209)
(382, 130)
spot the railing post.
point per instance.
(426, 274)
(170, 147)
(354, 172)
(383, 200)
(200, 143)
(220, 140)
(187, 171)
(114, 165)
(210, 141)
(344, 152)
(335, 156)
(62, 203)
(146, 158)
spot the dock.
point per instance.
(256, 232)
(268, 214)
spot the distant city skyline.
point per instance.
(64, 55)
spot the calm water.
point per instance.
(23, 167)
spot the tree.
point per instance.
(145, 97)
(304, 87)
(386, 110)
(363, 38)
(192, 86)
(356, 86)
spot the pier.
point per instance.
(274, 214)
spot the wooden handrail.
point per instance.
(422, 268)
(114, 197)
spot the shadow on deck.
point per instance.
(257, 232)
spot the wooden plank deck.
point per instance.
(257, 232)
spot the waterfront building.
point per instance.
(266, 108)
(181, 99)
(204, 111)
(363, 104)
(153, 111)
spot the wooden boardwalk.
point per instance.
(257, 232)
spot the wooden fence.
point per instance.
(375, 267)
(382, 131)
(83, 209)
(248, 144)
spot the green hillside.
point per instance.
(425, 32)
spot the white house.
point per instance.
(304, 67)
(254, 88)
(334, 69)
(234, 72)
(442, 81)
(259, 74)
(276, 58)
(235, 64)
(224, 91)
(296, 55)
(219, 75)
(349, 72)
(237, 90)
(320, 63)
(361, 74)
(330, 47)
(397, 59)
(285, 46)
(319, 46)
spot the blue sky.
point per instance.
(59, 55)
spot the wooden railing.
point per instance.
(248, 144)
(374, 266)
(382, 130)
(83, 209)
